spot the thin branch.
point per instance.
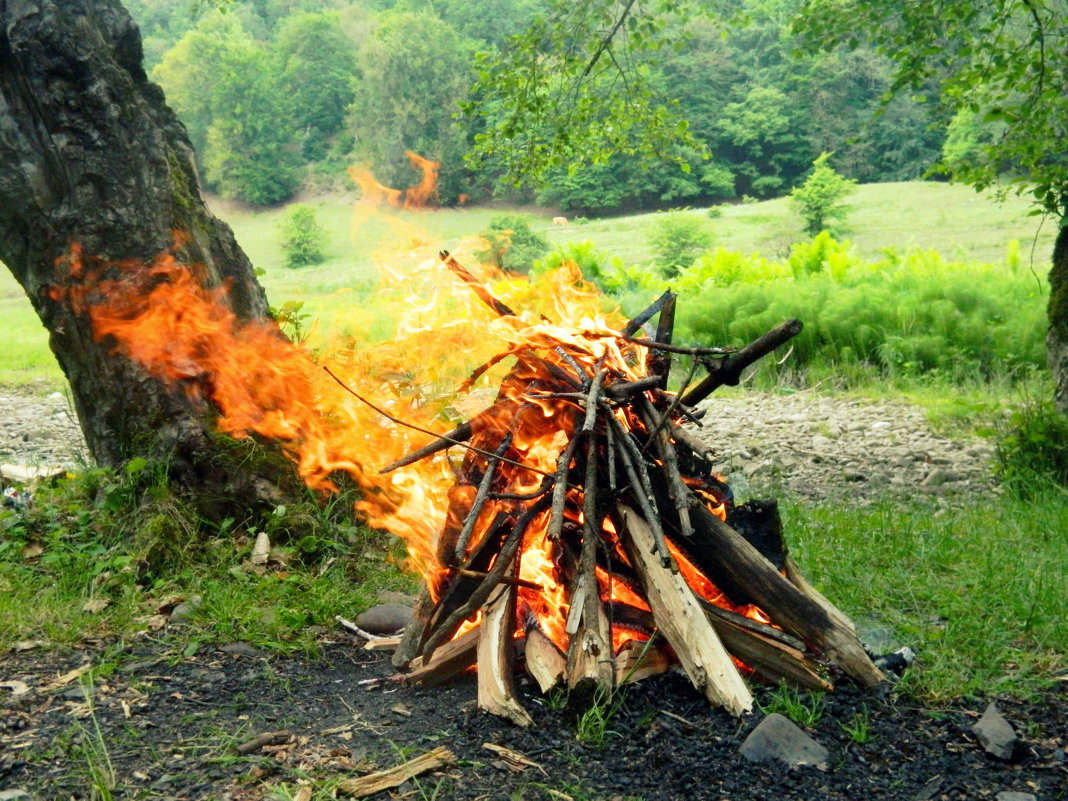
(414, 427)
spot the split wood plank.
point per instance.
(683, 623)
(394, 777)
(496, 678)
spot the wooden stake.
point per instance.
(589, 656)
(683, 623)
(449, 660)
(496, 685)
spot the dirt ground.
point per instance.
(169, 723)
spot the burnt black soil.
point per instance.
(171, 723)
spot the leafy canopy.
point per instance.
(1002, 60)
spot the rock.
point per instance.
(777, 739)
(995, 734)
(241, 649)
(15, 794)
(186, 610)
(1012, 795)
(936, 478)
(385, 618)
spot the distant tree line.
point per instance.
(283, 94)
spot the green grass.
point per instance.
(977, 591)
(339, 292)
(126, 541)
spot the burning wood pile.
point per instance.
(587, 534)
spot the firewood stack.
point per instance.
(587, 533)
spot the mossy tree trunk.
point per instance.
(91, 154)
(1057, 339)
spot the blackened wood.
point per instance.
(442, 632)
(589, 655)
(769, 657)
(641, 488)
(631, 328)
(741, 621)
(510, 580)
(484, 295)
(682, 350)
(480, 498)
(683, 623)
(622, 390)
(458, 435)
(729, 371)
(658, 360)
(759, 522)
(496, 676)
(696, 445)
(559, 496)
(677, 490)
(784, 603)
(412, 638)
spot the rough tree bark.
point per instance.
(91, 154)
(1057, 339)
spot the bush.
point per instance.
(511, 245)
(819, 199)
(303, 238)
(678, 238)
(1032, 453)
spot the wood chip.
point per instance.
(17, 687)
(263, 740)
(70, 676)
(261, 550)
(513, 757)
(397, 775)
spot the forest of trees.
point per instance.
(283, 94)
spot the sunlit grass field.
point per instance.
(339, 292)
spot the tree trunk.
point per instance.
(1057, 339)
(91, 157)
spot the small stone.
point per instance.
(385, 618)
(778, 739)
(936, 478)
(1012, 795)
(995, 734)
(854, 476)
(241, 649)
(186, 610)
(15, 794)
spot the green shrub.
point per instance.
(911, 314)
(511, 245)
(679, 237)
(584, 254)
(303, 238)
(1032, 453)
(819, 199)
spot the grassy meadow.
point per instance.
(954, 220)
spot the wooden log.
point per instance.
(622, 390)
(453, 658)
(770, 658)
(761, 526)
(412, 638)
(763, 629)
(394, 777)
(544, 661)
(641, 488)
(658, 360)
(683, 623)
(677, 490)
(724, 551)
(589, 655)
(728, 372)
(639, 660)
(496, 681)
(798, 580)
